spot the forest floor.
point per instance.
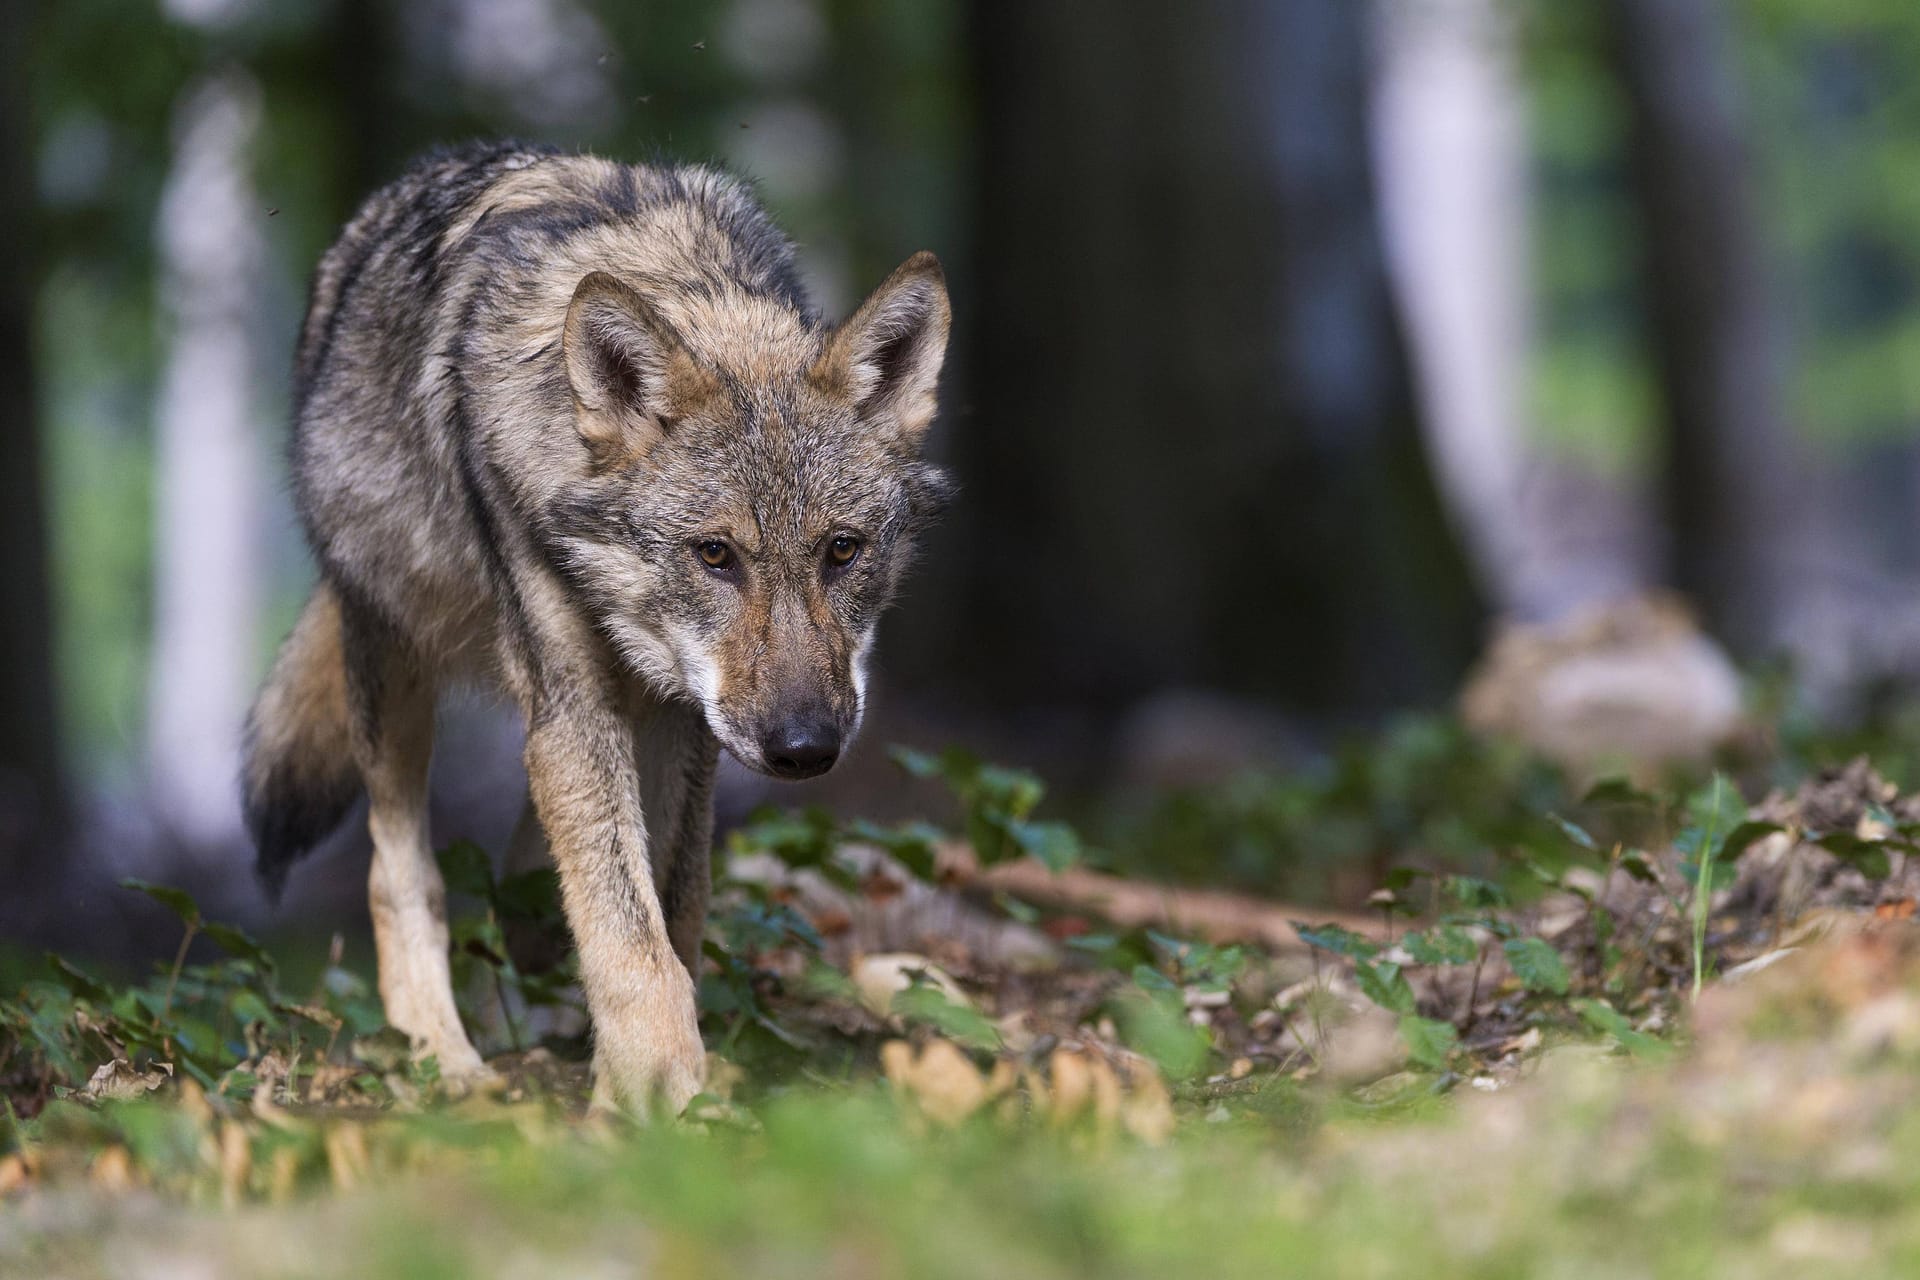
(1636, 1033)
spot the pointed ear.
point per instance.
(886, 358)
(630, 375)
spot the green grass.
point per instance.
(295, 1139)
(1598, 1170)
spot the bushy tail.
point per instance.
(299, 778)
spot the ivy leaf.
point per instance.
(1447, 944)
(1385, 985)
(1157, 1027)
(1868, 857)
(1052, 844)
(1474, 893)
(1537, 965)
(1334, 938)
(236, 941)
(1428, 1040)
(1635, 864)
(1604, 1018)
(923, 1002)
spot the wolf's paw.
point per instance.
(461, 1069)
(466, 1078)
(653, 1069)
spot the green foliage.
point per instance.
(997, 802)
(204, 1021)
(1537, 965)
(527, 904)
(1425, 790)
(1430, 1042)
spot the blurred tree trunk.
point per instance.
(207, 562)
(31, 806)
(1717, 344)
(1451, 151)
(1190, 447)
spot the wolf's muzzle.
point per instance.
(801, 748)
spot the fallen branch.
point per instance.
(1210, 914)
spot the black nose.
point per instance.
(801, 749)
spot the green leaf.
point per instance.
(1148, 978)
(912, 844)
(1332, 937)
(1618, 791)
(1744, 836)
(1428, 1040)
(467, 869)
(236, 941)
(1384, 984)
(178, 901)
(917, 763)
(1054, 845)
(78, 982)
(1012, 793)
(247, 1008)
(530, 895)
(1474, 893)
(1604, 1018)
(1868, 857)
(1574, 832)
(802, 839)
(1635, 864)
(1537, 965)
(1718, 806)
(1157, 1027)
(924, 1002)
(1446, 944)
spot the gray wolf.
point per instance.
(568, 429)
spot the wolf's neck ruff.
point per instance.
(569, 428)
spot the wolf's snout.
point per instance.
(801, 748)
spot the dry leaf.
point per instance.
(14, 1176)
(112, 1170)
(121, 1080)
(1147, 1113)
(236, 1162)
(877, 979)
(347, 1158)
(940, 1079)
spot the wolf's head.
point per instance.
(755, 487)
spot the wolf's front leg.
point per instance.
(580, 768)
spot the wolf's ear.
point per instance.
(630, 375)
(886, 357)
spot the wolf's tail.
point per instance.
(298, 778)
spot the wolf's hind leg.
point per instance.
(393, 742)
(675, 756)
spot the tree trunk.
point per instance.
(1451, 150)
(31, 797)
(207, 578)
(1717, 342)
(1189, 444)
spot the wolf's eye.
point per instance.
(714, 554)
(842, 550)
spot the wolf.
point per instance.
(568, 429)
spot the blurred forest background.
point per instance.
(1296, 342)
